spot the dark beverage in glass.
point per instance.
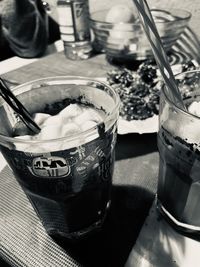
(67, 178)
(179, 148)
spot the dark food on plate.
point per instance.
(139, 90)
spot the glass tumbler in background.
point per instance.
(178, 195)
(68, 180)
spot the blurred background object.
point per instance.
(193, 6)
(189, 42)
(73, 17)
(24, 28)
(119, 32)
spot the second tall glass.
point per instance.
(179, 148)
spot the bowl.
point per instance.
(127, 40)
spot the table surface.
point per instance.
(24, 242)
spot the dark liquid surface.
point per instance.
(179, 175)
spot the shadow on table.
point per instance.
(158, 244)
(130, 205)
(111, 246)
(3, 263)
(133, 145)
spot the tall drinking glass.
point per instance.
(67, 179)
(178, 193)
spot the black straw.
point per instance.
(17, 106)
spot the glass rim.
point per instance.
(169, 101)
(187, 16)
(68, 137)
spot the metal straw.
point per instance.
(17, 106)
(158, 51)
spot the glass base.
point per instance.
(182, 228)
(79, 234)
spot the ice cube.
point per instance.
(70, 129)
(88, 115)
(71, 111)
(56, 121)
(40, 118)
(51, 131)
